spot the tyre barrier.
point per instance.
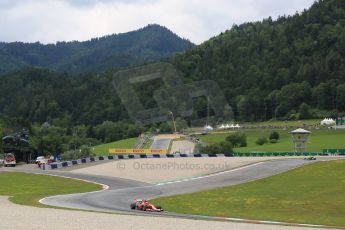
(281, 154)
(64, 164)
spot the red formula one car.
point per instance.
(144, 205)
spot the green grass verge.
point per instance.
(319, 139)
(28, 189)
(103, 150)
(312, 194)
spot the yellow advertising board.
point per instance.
(139, 151)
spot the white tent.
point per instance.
(208, 128)
(328, 121)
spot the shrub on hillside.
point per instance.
(261, 141)
(237, 140)
(274, 136)
(222, 147)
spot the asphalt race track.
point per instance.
(161, 143)
(122, 192)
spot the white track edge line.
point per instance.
(207, 176)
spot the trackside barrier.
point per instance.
(196, 155)
(123, 157)
(333, 151)
(281, 154)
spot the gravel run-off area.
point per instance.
(156, 170)
(14, 217)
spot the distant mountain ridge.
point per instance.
(147, 44)
(290, 68)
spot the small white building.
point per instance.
(300, 138)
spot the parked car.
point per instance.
(41, 160)
(10, 160)
(38, 159)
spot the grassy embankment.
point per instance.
(319, 139)
(103, 150)
(312, 194)
(28, 189)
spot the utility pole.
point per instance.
(173, 120)
(208, 111)
(75, 133)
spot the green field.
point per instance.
(285, 123)
(28, 189)
(319, 139)
(103, 150)
(312, 194)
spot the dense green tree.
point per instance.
(304, 111)
(293, 94)
(48, 139)
(341, 97)
(322, 96)
(181, 124)
(166, 127)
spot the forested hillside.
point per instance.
(290, 68)
(148, 44)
